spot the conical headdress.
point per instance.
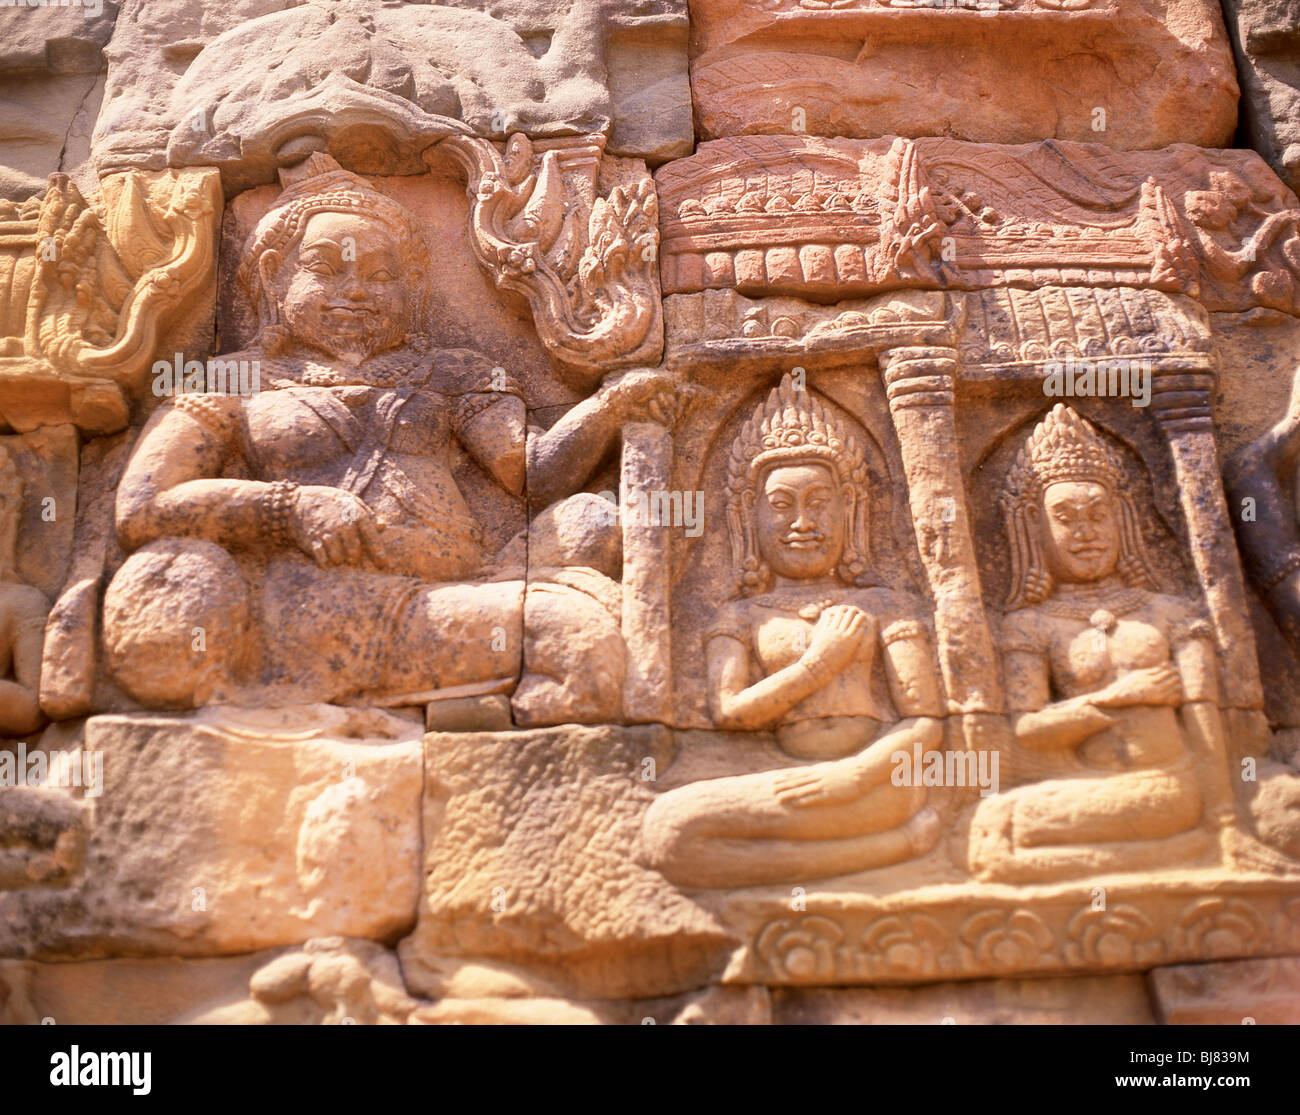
(791, 427)
(1065, 447)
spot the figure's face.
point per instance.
(342, 288)
(801, 521)
(1079, 530)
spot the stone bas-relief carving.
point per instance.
(24, 609)
(91, 294)
(1100, 665)
(702, 597)
(804, 650)
(314, 533)
(828, 219)
(376, 83)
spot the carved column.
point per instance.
(919, 384)
(646, 468)
(1180, 404)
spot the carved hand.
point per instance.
(825, 784)
(835, 639)
(334, 527)
(1155, 685)
(643, 395)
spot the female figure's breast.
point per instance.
(1087, 660)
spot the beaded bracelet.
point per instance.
(277, 511)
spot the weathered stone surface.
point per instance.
(375, 84)
(850, 572)
(1265, 38)
(1229, 993)
(528, 861)
(51, 86)
(129, 992)
(326, 981)
(230, 832)
(1139, 75)
(832, 219)
(1086, 1001)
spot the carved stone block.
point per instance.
(86, 300)
(1140, 76)
(51, 85)
(530, 865)
(230, 832)
(1266, 41)
(1229, 993)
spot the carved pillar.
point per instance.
(1180, 404)
(646, 467)
(919, 385)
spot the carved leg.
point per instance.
(732, 832)
(1085, 826)
(747, 829)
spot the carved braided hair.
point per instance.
(792, 427)
(1064, 447)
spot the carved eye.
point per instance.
(383, 275)
(321, 267)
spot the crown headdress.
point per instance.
(320, 185)
(1064, 447)
(790, 427)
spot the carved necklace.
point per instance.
(804, 606)
(1101, 611)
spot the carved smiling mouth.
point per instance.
(350, 312)
(802, 542)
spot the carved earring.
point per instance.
(753, 570)
(852, 566)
